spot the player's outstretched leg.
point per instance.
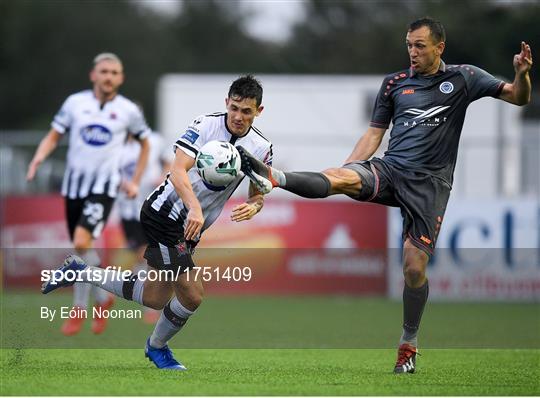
(306, 184)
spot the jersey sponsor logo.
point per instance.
(190, 136)
(96, 134)
(425, 117)
(446, 87)
(408, 91)
(421, 114)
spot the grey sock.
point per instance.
(414, 301)
(81, 293)
(172, 319)
(409, 337)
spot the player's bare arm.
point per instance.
(132, 187)
(245, 211)
(180, 180)
(47, 145)
(347, 181)
(367, 144)
(519, 91)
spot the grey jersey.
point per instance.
(427, 113)
(166, 202)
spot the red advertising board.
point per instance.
(290, 247)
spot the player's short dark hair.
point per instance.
(436, 28)
(247, 87)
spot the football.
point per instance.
(218, 163)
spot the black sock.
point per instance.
(414, 301)
(307, 184)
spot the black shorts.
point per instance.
(134, 233)
(421, 197)
(90, 213)
(167, 248)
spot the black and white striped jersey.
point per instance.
(130, 208)
(97, 134)
(165, 201)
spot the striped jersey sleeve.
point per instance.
(137, 124)
(194, 137)
(63, 119)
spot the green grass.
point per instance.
(276, 346)
(269, 372)
(284, 322)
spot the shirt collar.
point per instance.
(442, 68)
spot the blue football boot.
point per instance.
(62, 277)
(162, 357)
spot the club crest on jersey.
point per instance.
(446, 87)
(190, 136)
(96, 134)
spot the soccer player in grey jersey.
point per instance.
(426, 104)
(97, 122)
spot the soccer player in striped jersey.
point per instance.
(176, 214)
(98, 122)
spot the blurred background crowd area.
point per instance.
(47, 45)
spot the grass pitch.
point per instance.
(269, 372)
(276, 346)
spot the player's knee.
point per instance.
(192, 299)
(414, 275)
(343, 180)
(82, 242)
(156, 303)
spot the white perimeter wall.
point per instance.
(314, 122)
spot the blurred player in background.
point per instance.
(426, 104)
(98, 122)
(178, 211)
(158, 165)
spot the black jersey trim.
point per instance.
(61, 124)
(68, 185)
(216, 114)
(259, 133)
(227, 127)
(183, 144)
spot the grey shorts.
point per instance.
(421, 197)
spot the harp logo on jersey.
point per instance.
(96, 135)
